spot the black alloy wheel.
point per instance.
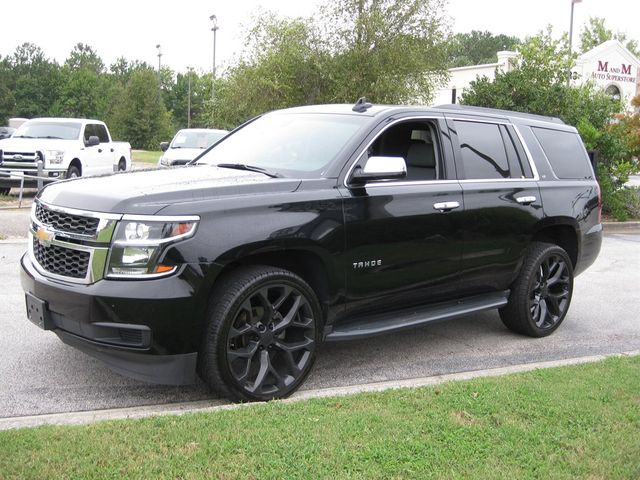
(262, 334)
(122, 166)
(541, 295)
(550, 292)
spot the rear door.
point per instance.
(402, 245)
(105, 150)
(502, 201)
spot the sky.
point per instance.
(133, 28)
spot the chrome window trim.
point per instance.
(359, 156)
(532, 164)
(527, 152)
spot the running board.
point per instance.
(379, 323)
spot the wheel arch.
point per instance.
(561, 232)
(307, 264)
(76, 163)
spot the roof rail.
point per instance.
(496, 111)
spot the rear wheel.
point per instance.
(261, 334)
(122, 165)
(73, 172)
(541, 295)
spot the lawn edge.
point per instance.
(93, 416)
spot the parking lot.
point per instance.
(42, 375)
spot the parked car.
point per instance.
(68, 147)
(312, 224)
(187, 145)
(6, 132)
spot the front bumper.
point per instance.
(147, 330)
(15, 180)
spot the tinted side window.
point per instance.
(415, 142)
(102, 134)
(565, 152)
(89, 131)
(483, 152)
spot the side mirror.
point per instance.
(380, 168)
(93, 141)
(164, 146)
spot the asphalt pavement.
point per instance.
(39, 374)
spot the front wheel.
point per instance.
(261, 334)
(541, 295)
(73, 172)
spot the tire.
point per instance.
(73, 172)
(4, 191)
(122, 165)
(261, 334)
(541, 295)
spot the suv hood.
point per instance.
(148, 191)
(20, 145)
(182, 153)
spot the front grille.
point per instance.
(61, 261)
(66, 222)
(31, 157)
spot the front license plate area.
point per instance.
(37, 312)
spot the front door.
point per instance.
(402, 241)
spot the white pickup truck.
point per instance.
(68, 147)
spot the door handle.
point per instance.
(526, 200)
(112, 150)
(446, 206)
(99, 150)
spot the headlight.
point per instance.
(55, 156)
(139, 242)
(165, 161)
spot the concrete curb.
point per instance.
(82, 418)
(621, 227)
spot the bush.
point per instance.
(618, 201)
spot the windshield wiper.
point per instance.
(52, 137)
(23, 136)
(250, 168)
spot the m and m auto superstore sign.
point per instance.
(618, 73)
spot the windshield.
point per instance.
(288, 144)
(59, 130)
(196, 139)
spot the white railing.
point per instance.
(40, 178)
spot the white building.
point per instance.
(609, 65)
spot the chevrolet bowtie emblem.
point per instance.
(44, 236)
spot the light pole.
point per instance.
(189, 99)
(159, 56)
(214, 29)
(573, 2)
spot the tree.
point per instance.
(477, 47)
(35, 81)
(392, 51)
(282, 67)
(141, 117)
(82, 90)
(84, 57)
(595, 32)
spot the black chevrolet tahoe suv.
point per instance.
(312, 224)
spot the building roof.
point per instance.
(608, 45)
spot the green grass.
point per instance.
(145, 156)
(571, 422)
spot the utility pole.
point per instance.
(214, 29)
(573, 2)
(159, 57)
(189, 99)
